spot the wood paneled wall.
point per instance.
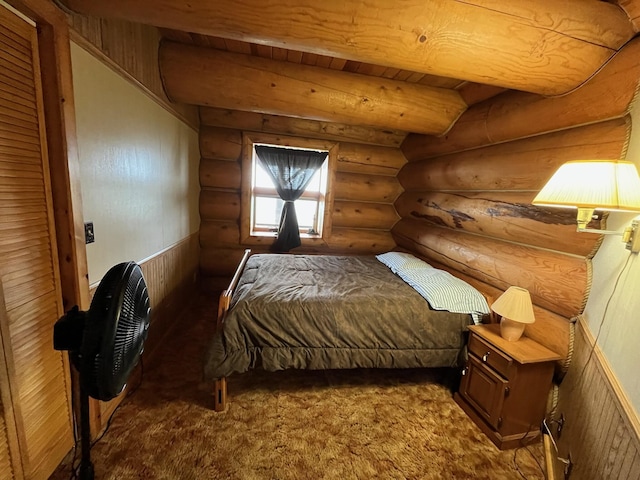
(364, 190)
(601, 430)
(467, 200)
(132, 48)
(171, 278)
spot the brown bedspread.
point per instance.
(326, 312)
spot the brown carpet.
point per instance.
(368, 424)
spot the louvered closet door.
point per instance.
(5, 455)
(38, 375)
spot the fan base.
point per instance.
(86, 471)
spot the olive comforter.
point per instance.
(330, 312)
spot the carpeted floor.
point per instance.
(295, 425)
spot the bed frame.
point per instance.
(220, 386)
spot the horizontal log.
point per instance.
(221, 262)
(609, 94)
(549, 329)
(473, 93)
(366, 188)
(502, 215)
(546, 47)
(192, 75)
(220, 174)
(524, 164)
(364, 215)
(300, 127)
(362, 241)
(219, 205)
(556, 281)
(632, 9)
(356, 158)
(220, 143)
(219, 234)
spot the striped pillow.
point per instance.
(443, 291)
(398, 261)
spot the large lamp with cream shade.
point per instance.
(594, 184)
(516, 310)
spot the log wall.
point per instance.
(364, 189)
(466, 204)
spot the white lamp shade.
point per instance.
(515, 304)
(597, 184)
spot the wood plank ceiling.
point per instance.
(313, 59)
(406, 65)
(470, 92)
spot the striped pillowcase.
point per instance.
(443, 291)
(398, 261)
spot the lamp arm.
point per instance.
(627, 234)
(601, 232)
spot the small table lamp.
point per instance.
(514, 306)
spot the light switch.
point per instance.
(89, 234)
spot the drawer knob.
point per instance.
(464, 371)
(485, 357)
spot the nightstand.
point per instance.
(505, 385)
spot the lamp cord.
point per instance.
(602, 320)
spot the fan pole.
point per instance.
(86, 467)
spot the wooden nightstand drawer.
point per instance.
(490, 355)
(485, 390)
(505, 385)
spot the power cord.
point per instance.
(580, 377)
(526, 447)
(76, 468)
(604, 317)
(129, 393)
(74, 472)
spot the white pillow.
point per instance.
(443, 291)
(398, 261)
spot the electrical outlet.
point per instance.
(560, 425)
(568, 467)
(634, 242)
(89, 234)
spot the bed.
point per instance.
(333, 312)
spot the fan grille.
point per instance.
(116, 331)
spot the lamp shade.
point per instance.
(595, 184)
(515, 304)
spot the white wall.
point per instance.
(138, 167)
(620, 334)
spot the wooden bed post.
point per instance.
(220, 386)
(220, 395)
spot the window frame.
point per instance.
(249, 139)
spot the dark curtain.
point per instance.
(291, 171)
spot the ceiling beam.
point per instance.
(300, 127)
(632, 9)
(542, 46)
(208, 77)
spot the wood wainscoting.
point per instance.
(171, 277)
(607, 445)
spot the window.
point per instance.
(266, 204)
(261, 204)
